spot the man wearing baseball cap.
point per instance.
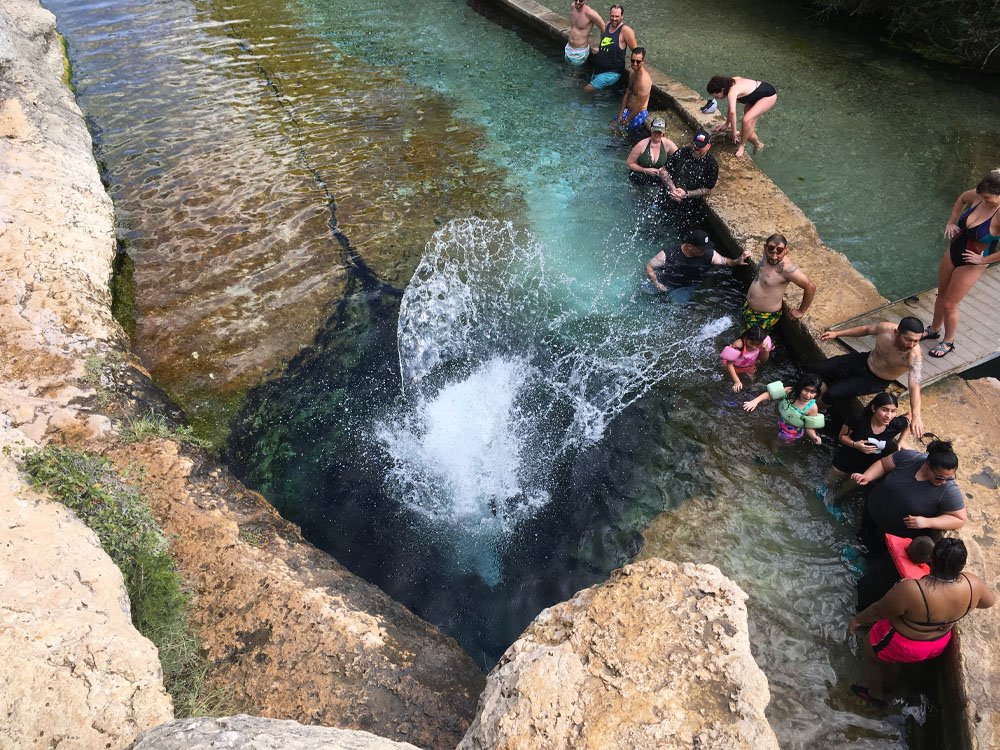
(689, 174)
(683, 267)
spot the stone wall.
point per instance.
(293, 633)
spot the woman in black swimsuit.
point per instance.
(756, 97)
(913, 622)
(974, 236)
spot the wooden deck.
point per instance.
(978, 338)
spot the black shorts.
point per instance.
(848, 375)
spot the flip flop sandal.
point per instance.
(941, 350)
(929, 334)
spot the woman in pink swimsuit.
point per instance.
(913, 622)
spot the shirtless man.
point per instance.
(609, 57)
(633, 112)
(582, 18)
(896, 352)
(762, 306)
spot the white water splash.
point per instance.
(505, 370)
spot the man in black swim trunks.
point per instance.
(896, 352)
(688, 176)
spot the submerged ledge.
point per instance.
(744, 209)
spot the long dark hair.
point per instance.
(941, 456)
(948, 558)
(883, 399)
(720, 85)
(809, 380)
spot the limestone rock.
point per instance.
(73, 671)
(295, 634)
(657, 658)
(253, 733)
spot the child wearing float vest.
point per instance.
(743, 355)
(798, 414)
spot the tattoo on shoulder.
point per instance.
(786, 268)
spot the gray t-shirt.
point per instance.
(900, 494)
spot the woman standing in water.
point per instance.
(649, 155)
(974, 236)
(913, 622)
(756, 97)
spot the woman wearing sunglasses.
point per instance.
(917, 492)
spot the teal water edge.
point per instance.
(873, 144)
(490, 427)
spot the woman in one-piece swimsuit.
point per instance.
(974, 235)
(756, 97)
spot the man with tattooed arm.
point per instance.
(896, 351)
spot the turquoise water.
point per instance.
(873, 144)
(497, 437)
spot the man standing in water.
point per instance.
(896, 351)
(762, 307)
(680, 268)
(609, 59)
(633, 112)
(582, 19)
(689, 174)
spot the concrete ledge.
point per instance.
(745, 208)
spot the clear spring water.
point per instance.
(498, 437)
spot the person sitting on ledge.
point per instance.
(896, 351)
(917, 492)
(913, 622)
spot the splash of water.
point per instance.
(506, 369)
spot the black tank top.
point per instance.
(610, 57)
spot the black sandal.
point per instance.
(929, 334)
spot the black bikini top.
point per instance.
(937, 625)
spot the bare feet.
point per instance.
(758, 147)
(740, 151)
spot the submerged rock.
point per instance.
(253, 733)
(658, 658)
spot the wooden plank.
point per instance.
(979, 331)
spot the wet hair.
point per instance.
(883, 399)
(948, 558)
(920, 550)
(755, 334)
(941, 456)
(621, 8)
(990, 184)
(779, 238)
(809, 380)
(639, 51)
(720, 85)
(909, 324)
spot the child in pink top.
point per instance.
(745, 353)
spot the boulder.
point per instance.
(73, 671)
(252, 733)
(656, 658)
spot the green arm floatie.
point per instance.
(776, 390)
(814, 422)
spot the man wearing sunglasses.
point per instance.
(633, 112)
(775, 272)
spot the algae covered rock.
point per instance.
(657, 658)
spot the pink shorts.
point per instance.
(891, 646)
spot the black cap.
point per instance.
(701, 138)
(700, 239)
